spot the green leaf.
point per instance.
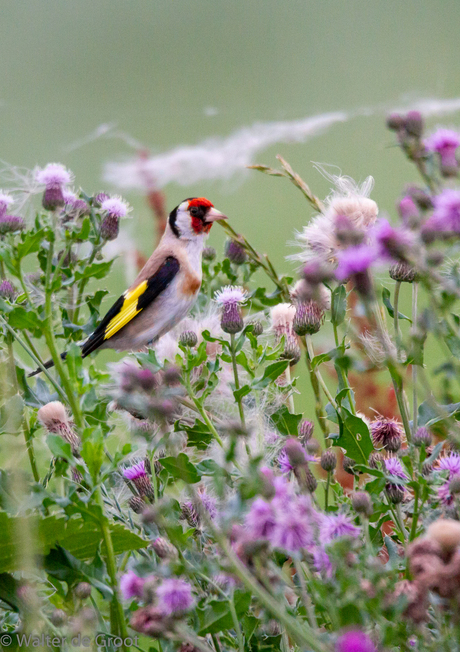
(198, 435)
(181, 468)
(217, 616)
(429, 415)
(271, 373)
(95, 270)
(338, 305)
(354, 437)
(30, 242)
(93, 454)
(8, 590)
(242, 391)
(11, 416)
(21, 318)
(285, 422)
(60, 448)
(81, 538)
(386, 300)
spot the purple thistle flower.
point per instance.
(322, 562)
(446, 214)
(392, 243)
(54, 175)
(131, 585)
(291, 532)
(115, 206)
(207, 501)
(408, 210)
(387, 433)
(7, 290)
(260, 520)
(444, 142)
(394, 467)
(355, 260)
(11, 223)
(175, 596)
(284, 463)
(444, 494)
(334, 526)
(5, 201)
(451, 463)
(135, 471)
(355, 641)
(230, 298)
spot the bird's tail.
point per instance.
(46, 365)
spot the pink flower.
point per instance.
(54, 175)
(355, 260)
(444, 494)
(355, 641)
(446, 214)
(260, 519)
(175, 596)
(135, 471)
(451, 463)
(335, 526)
(394, 467)
(291, 531)
(115, 206)
(444, 142)
(5, 201)
(131, 585)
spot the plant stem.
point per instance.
(413, 530)
(319, 410)
(112, 572)
(287, 374)
(414, 366)
(324, 387)
(51, 343)
(239, 400)
(305, 597)
(236, 623)
(326, 490)
(396, 316)
(202, 412)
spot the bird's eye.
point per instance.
(194, 211)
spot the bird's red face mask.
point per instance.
(203, 214)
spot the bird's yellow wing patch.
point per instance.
(127, 312)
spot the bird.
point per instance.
(165, 289)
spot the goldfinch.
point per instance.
(166, 287)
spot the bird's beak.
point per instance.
(214, 216)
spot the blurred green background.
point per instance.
(170, 73)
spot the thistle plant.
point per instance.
(190, 496)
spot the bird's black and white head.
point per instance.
(193, 218)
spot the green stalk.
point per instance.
(202, 412)
(414, 366)
(239, 401)
(120, 623)
(326, 490)
(319, 409)
(324, 387)
(396, 316)
(303, 592)
(413, 530)
(287, 373)
(51, 343)
(236, 622)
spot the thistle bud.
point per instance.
(454, 484)
(137, 504)
(82, 590)
(110, 227)
(312, 446)
(138, 475)
(305, 430)
(291, 350)
(308, 318)
(163, 548)
(403, 272)
(257, 328)
(409, 211)
(375, 460)
(362, 503)
(7, 290)
(295, 452)
(58, 617)
(445, 532)
(395, 122)
(11, 223)
(395, 493)
(348, 465)
(413, 123)
(305, 478)
(209, 254)
(188, 338)
(422, 437)
(53, 198)
(328, 460)
(53, 417)
(235, 252)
